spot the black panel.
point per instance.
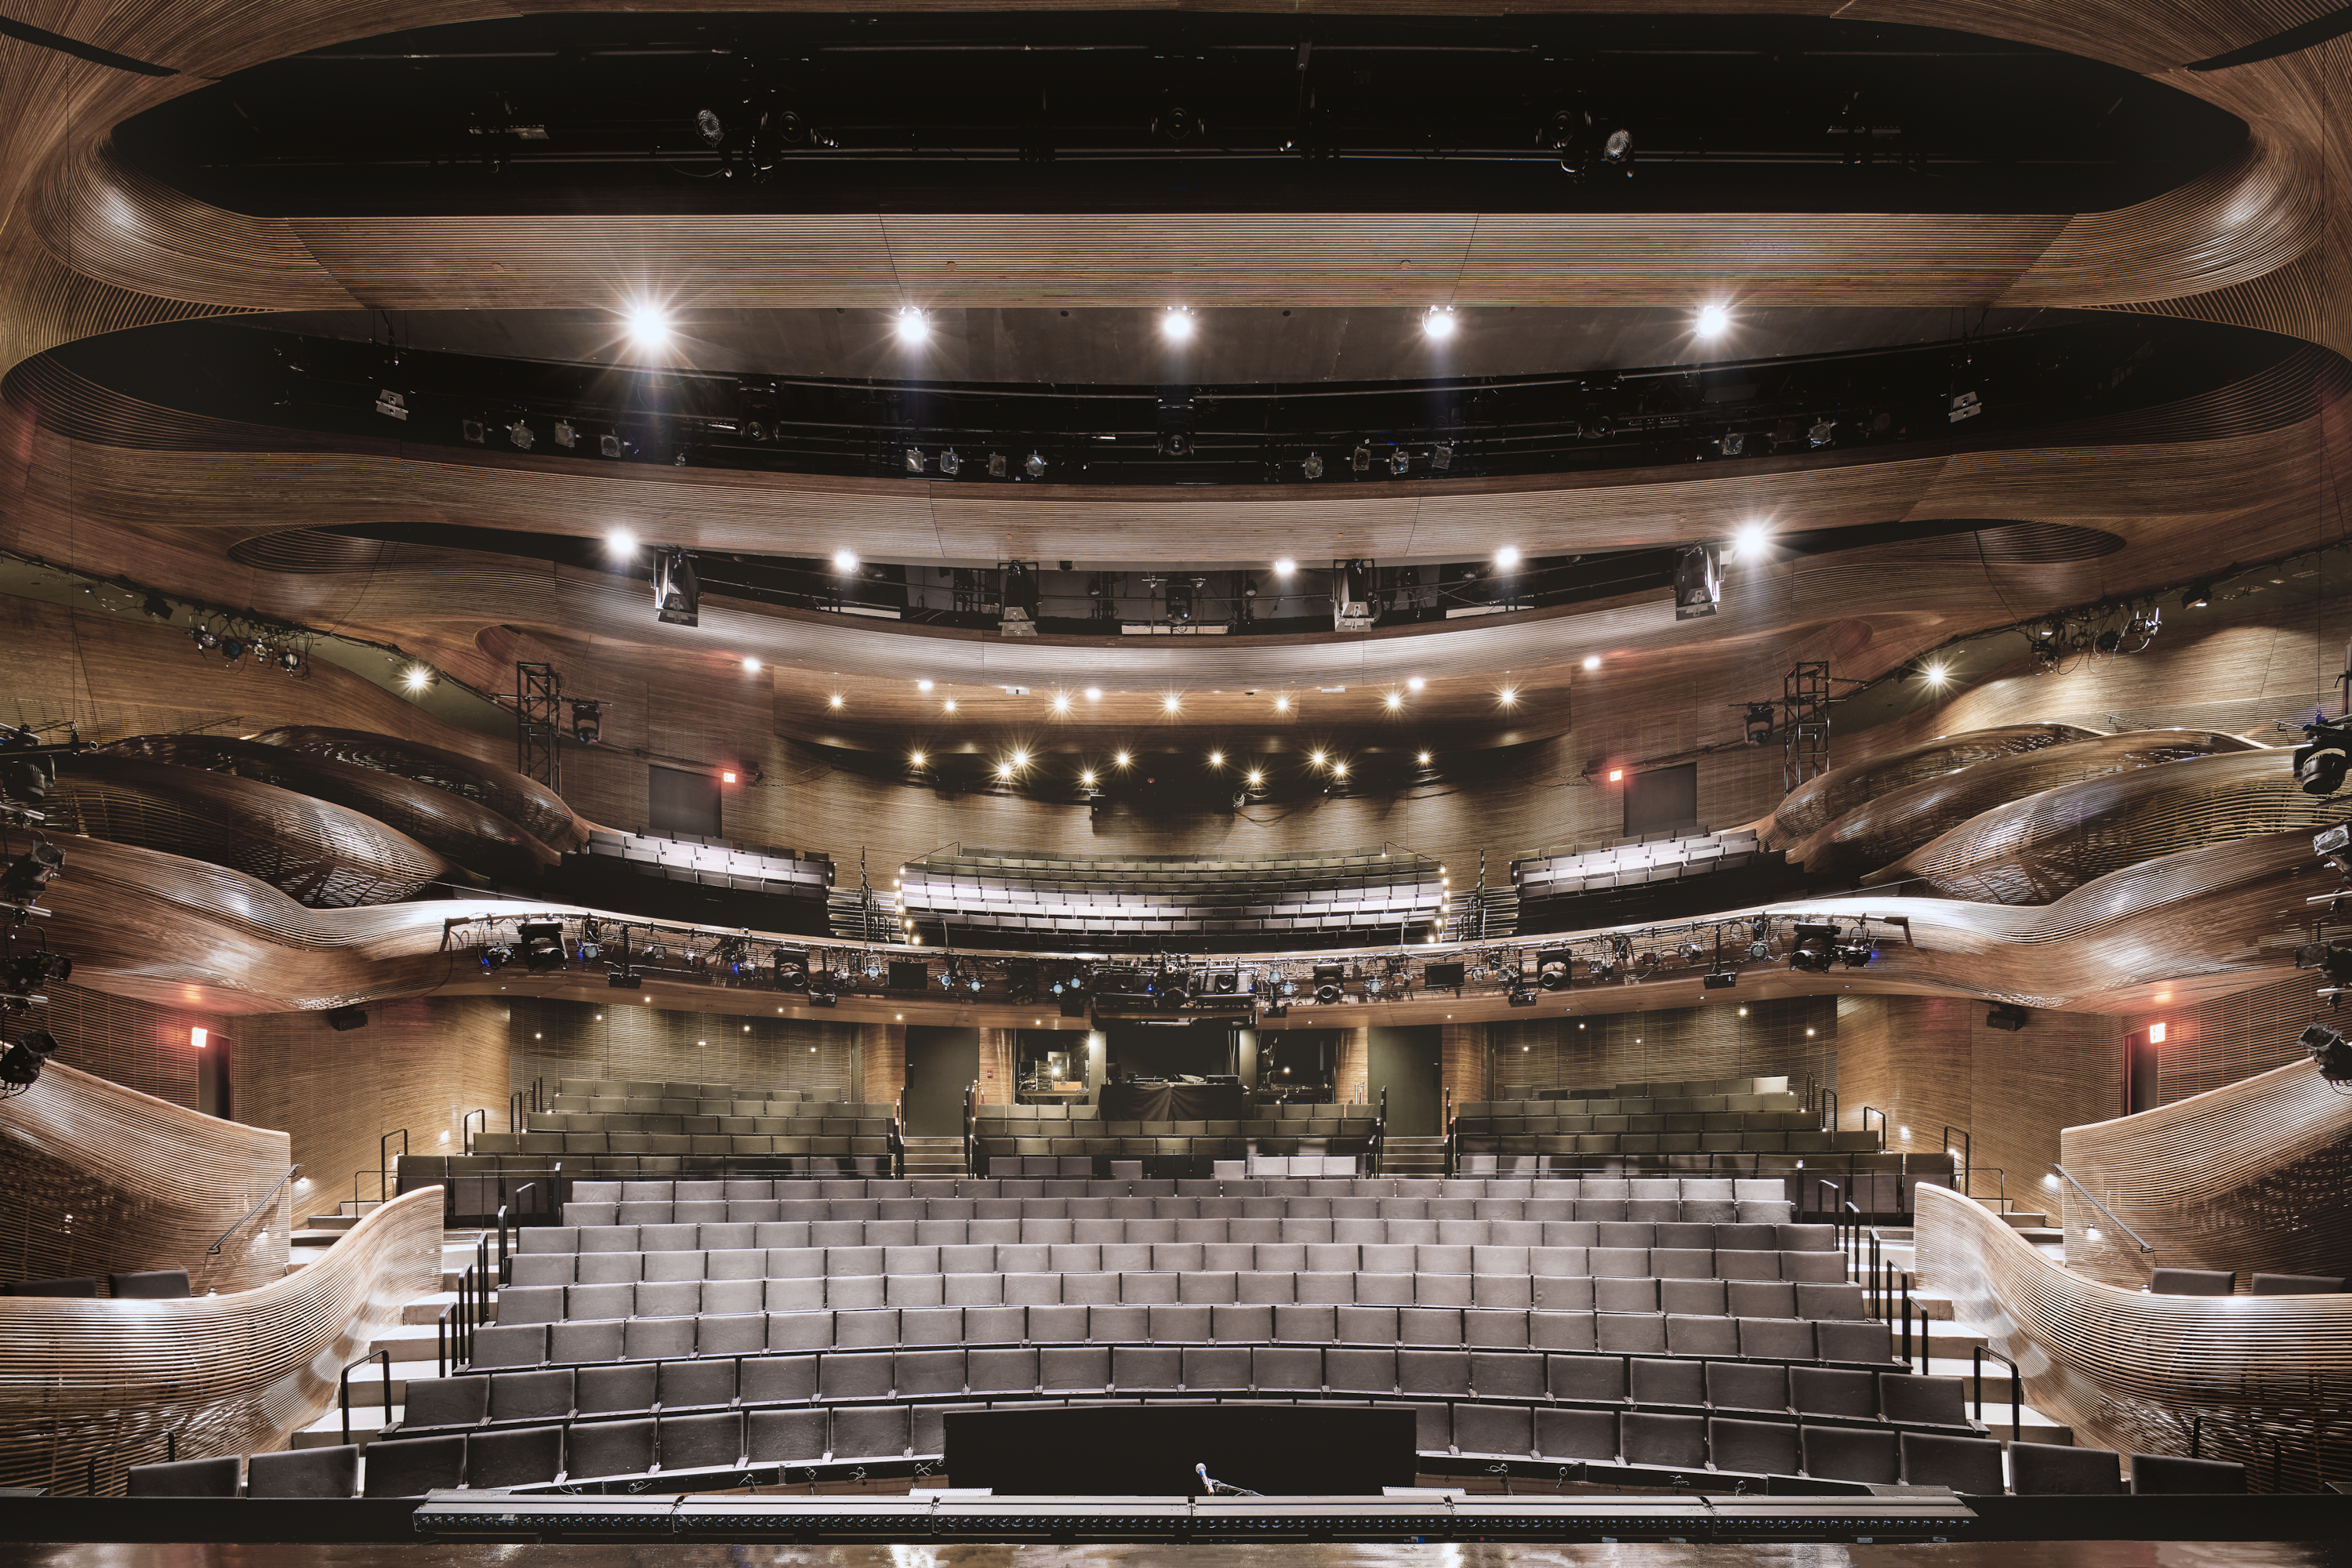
(1662, 798)
(681, 802)
(1150, 1451)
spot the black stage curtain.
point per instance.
(1174, 1102)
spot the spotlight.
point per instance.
(2319, 767)
(2197, 596)
(203, 638)
(1698, 582)
(1328, 979)
(790, 968)
(1176, 324)
(621, 544)
(709, 127)
(1439, 322)
(915, 461)
(1734, 443)
(649, 325)
(543, 946)
(949, 464)
(1822, 434)
(1760, 723)
(1351, 596)
(521, 435)
(1506, 558)
(565, 436)
(1856, 950)
(1312, 464)
(587, 720)
(1285, 567)
(21, 1064)
(1751, 541)
(1360, 458)
(1033, 465)
(677, 591)
(1399, 462)
(996, 465)
(417, 677)
(28, 971)
(1712, 320)
(1441, 458)
(2328, 1053)
(1816, 948)
(232, 649)
(844, 561)
(623, 979)
(1617, 149)
(610, 446)
(22, 882)
(472, 430)
(1182, 591)
(913, 326)
(497, 955)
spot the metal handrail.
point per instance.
(384, 1162)
(466, 1128)
(518, 1112)
(1882, 1122)
(2144, 1248)
(1966, 1150)
(506, 1266)
(256, 1209)
(2016, 1391)
(1829, 1103)
(343, 1389)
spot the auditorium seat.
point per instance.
(1848, 1454)
(2056, 1469)
(2170, 1474)
(304, 1473)
(2192, 1282)
(411, 1466)
(185, 1477)
(1970, 1465)
(2298, 1284)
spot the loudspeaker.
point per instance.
(1073, 1001)
(1436, 976)
(346, 1018)
(907, 975)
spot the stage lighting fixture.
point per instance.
(232, 649)
(521, 435)
(1274, 1010)
(1328, 978)
(1617, 150)
(2007, 1017)
(567, 438)
(204, 637)
(677, 591)
(391, 404)
(1760, 723)
(1698, 582)
(790, 968)
(1856, 950)
(30, 872)
(709, 127)
(1033, 465)
(2319, 767)
(656, 952)
(1521, 997)
(915, 459)
(1399, 462)
(542, 945)
(608, 446)
(1441, 458)
(1017, 610)
(735, 953)
(949, 464)
(822, 992)
(1438, 322)
(1351, 596)
(1734, 443)
(496, 956)
(1552, 967)
(1816, 948)
(623, 979)
(1181, 598)
(26, 973)
(996, 465)
(587, 721)
(2328, 1052)
(1822, 434)
(1312, 464)
(1719, 979)
(1360, 459)
(21, 1064)
(913, 325)
(1177, 325)
(472, 430)
(2197, 596)
(344, 1020)
(26, 780)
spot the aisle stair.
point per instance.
(413, 1342)
(1401, 1156)
(935, 1157)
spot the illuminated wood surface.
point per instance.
(228, 1375)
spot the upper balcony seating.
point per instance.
(716, 863)
(1655, 876)
(1030, 900)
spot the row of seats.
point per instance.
(1750, 1142)
(1843, 1337)
(1176, 870)
(1305, 1111)
(750, 869)
(812, 1123)
(1340, 1242)
(668, 1189)
(748, 1144)
(493, 1457)
(1668, 1088)
(1697, 849)
(659, 1088)
(139, 1284)
(1331, 1125)
(1603, 1103)
(771, 1103)
(1547, 1120)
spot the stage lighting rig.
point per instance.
(1857, 949)
(2330, 1053)
(496, 956)
(677, 591)
(591, 940)
(29, 873)
(1553, 966)
(1816, 949)
(542, 945)
(2320, 765)
(1328, 978)
(790, 968)
(1760, 937)
(21, 1063)
(1758, 723)
(26, 973)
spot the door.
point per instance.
(1407, 1063)
(2140, 1080)
(941, 1063)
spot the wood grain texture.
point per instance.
(316, 853)
(527, 803)
(1815, 805)
(106, 1180)
(1895, 824)
(2132, 1372)
(2248, 1177)
(2035, 848)
(228, 1375)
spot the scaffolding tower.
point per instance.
(539, 703)
(1805, 724)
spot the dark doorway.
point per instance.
(681, 802)
(942, 1064)
(1406, 1062)
(1662, 798)
(2142, 1082)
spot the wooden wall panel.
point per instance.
(1586, 1046)
(421, 1063)
(1820, 802)
(105, 1180)
(2250, 1176)
(549, 1039)
(1464, 1061)
(2211, 1043)
(2132, 1372)
(882, 1059)
(226, 1375)
(140, 1044)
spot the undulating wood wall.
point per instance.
(135, 1044)
(103, 1180)
(1796, 1035)
(1461, 1061)
(2211, 1043)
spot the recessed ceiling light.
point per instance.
(1285, 567)
(845, 560)
(922, 686)
(1168, 703)
(1282, 704)
(1176, 324)
(1393, 700)
(1439, 321)
(751, 666)
(948, 705)
(1751, 540)
(1415, 683)
(1593, 661)
(1121, 758)
(1507, 697)
(620, 543)
(648, 324)
(1340, 769)
(1087, 778)
(1256, 777)
(833, 702)
(913, 325)
(1507, 556)
(1713, 320)
(1424, 759)
(1061, 702)
(1315, 758)
(1216, 759)
(1094, 693)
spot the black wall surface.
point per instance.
(1150, 1451)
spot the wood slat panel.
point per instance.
(2132, 1370)
(105, 1180)
(228, 1375)
(2248, 1177)
(1815, 805)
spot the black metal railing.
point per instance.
(1962, 1153)
(343, 1388)
(1829, 1104)
(466, 1128)
(2016, 1390)
(1867, 1112)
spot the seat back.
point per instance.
(411, 1466)
(187, 1478)
(304, 1473)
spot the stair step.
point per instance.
(2024, 1219)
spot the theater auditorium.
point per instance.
(1170, 775)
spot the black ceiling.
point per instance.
(1121, 112)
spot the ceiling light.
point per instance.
(913, 325)
(1312, 464)
(1004, 770)
(833, 702)
(845, 560)
(751, 666)
(1593, 661)
(620, 543)
(1415, 683)
(1282, 704)
(416, 677)
(1423, 759)
(1020, 759)
(1439, 322)
(1285, 567)
(1508, 557)
(1616, 775)
(1340, 770)
(1216, 759)
(1393, 700)
(1176, 324)
(1507, 697)
(1121, 758)
(1087, 778)
(1936, 675)
(1751, 540)
(1713, 319)
(649, 325)
(1061, 702)
(915, 759)
(948, 705)
(1168, 703)
(1314, 759)
(1094, 693)
(1256, 777)
(922, 686)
